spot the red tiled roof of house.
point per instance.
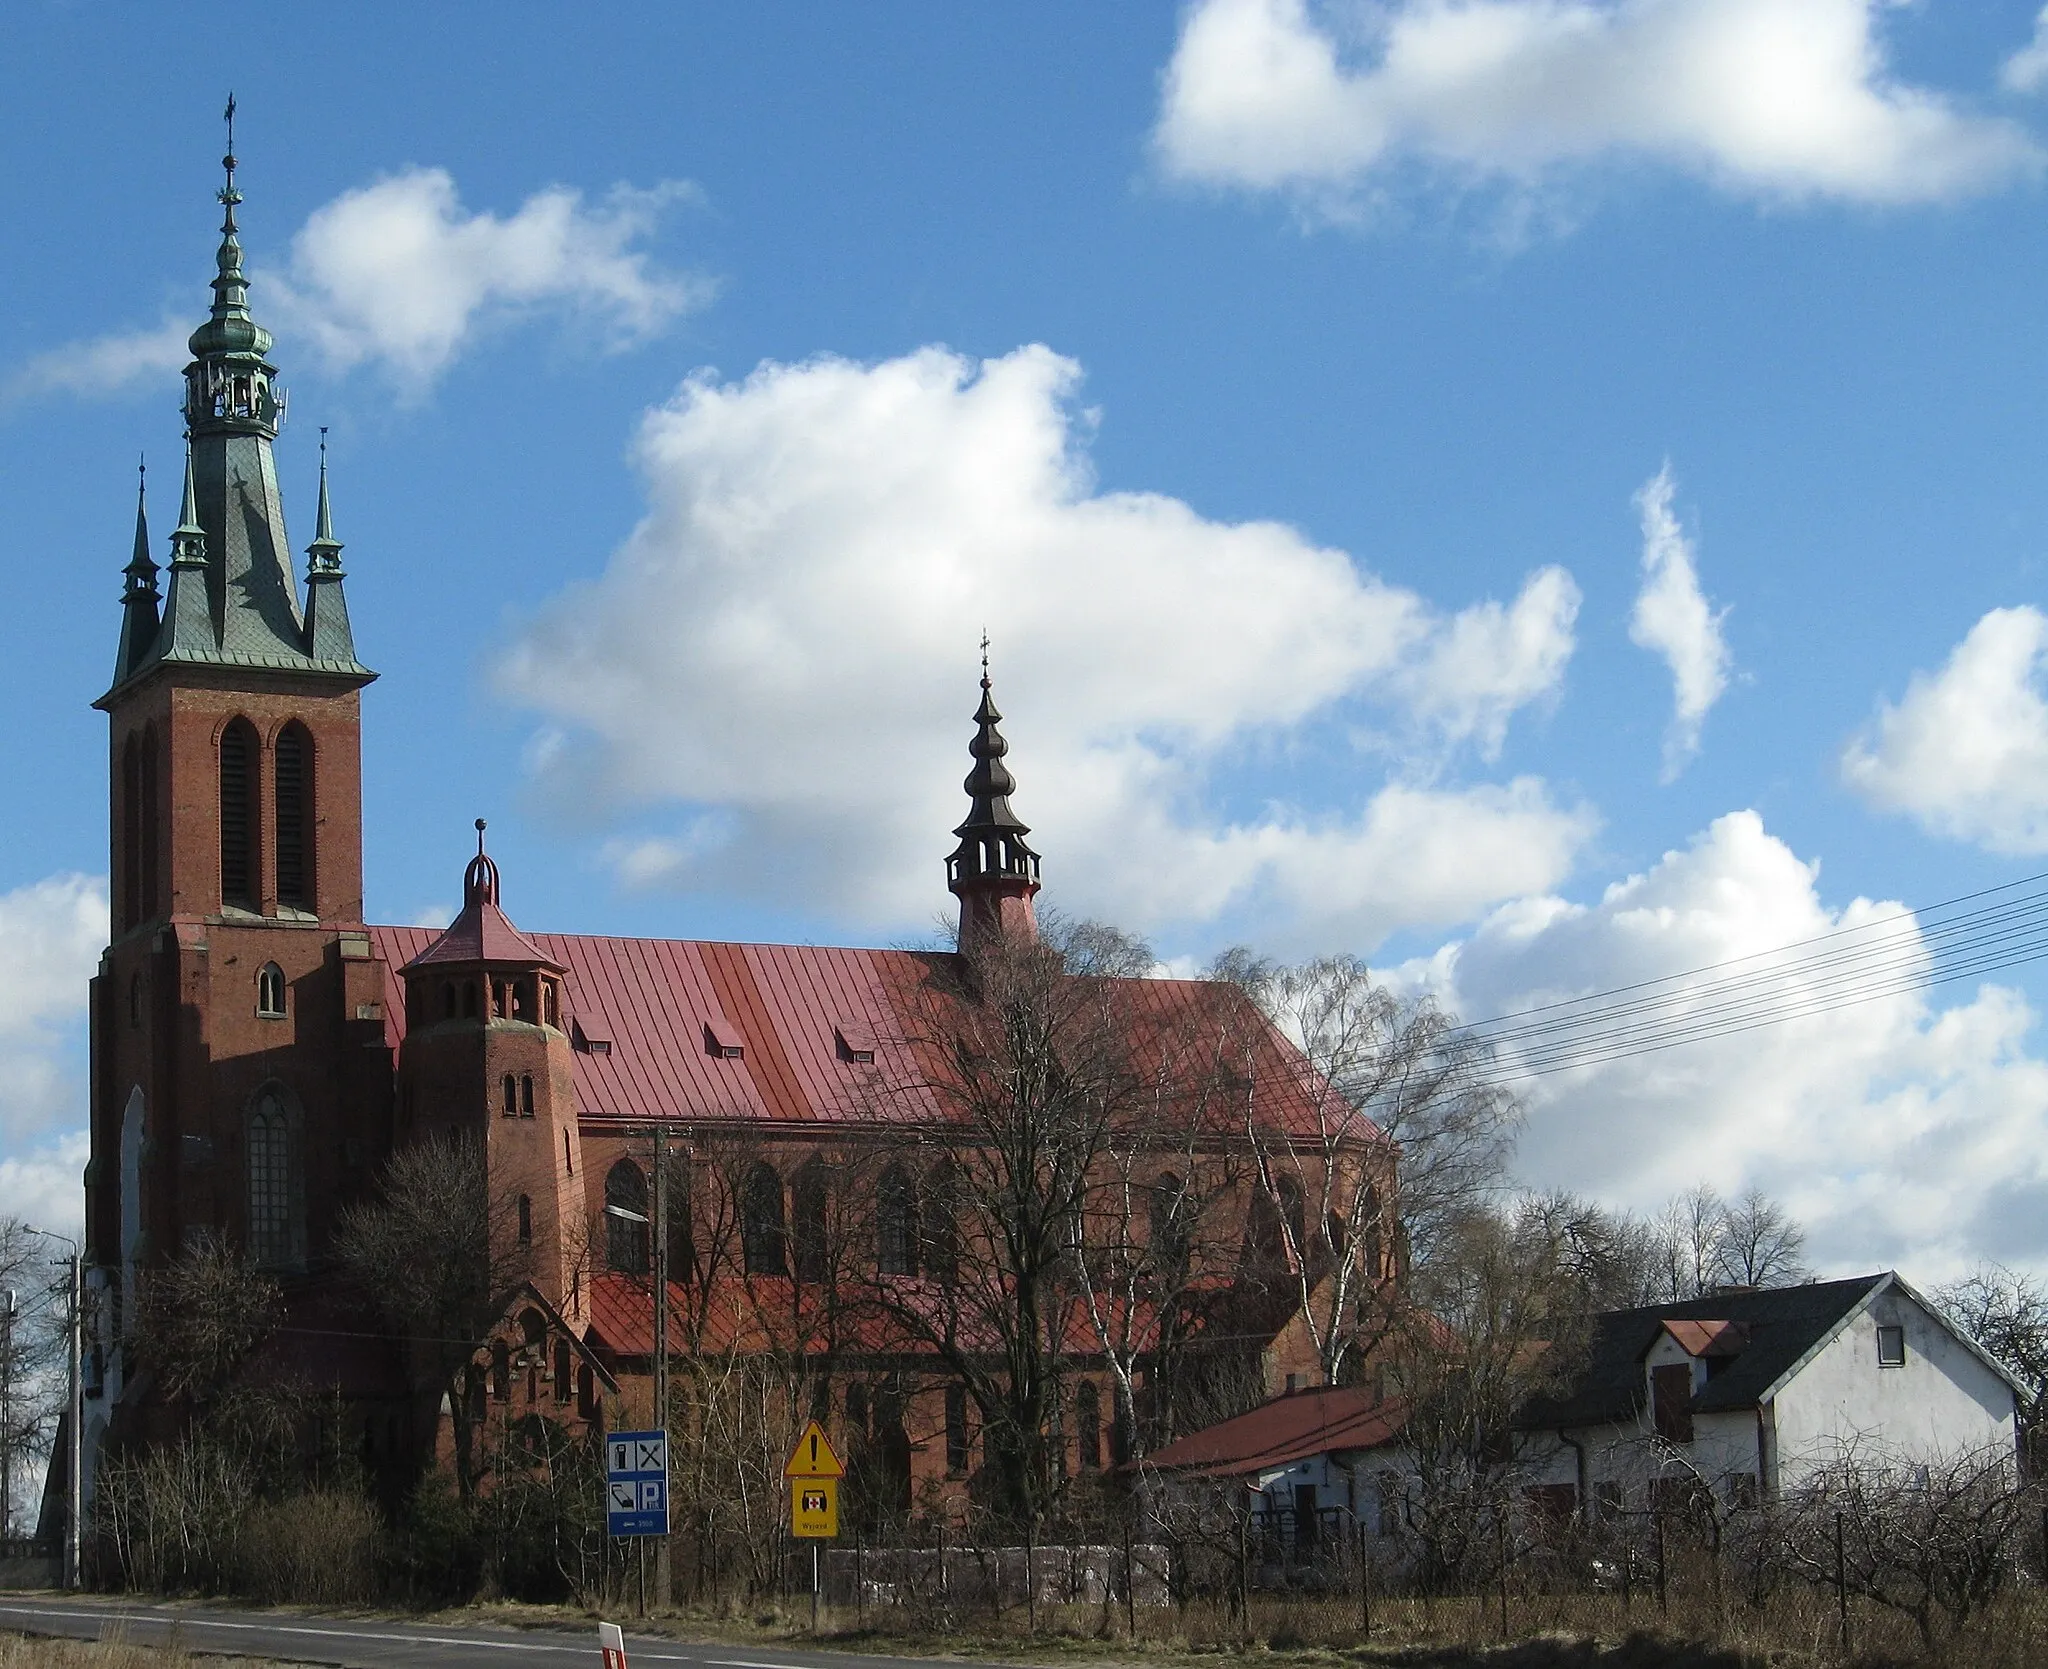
(1295, 1427)
(659, 1004)
(1709, 1338)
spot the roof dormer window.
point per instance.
(855, 1042)
(722, 1039)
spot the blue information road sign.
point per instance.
(636, 1483)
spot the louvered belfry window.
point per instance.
(294, 770)
(238, 751)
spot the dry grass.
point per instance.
(21, 1651)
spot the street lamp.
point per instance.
(659, 1235)
(74, 1505)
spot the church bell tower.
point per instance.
(237, 1013)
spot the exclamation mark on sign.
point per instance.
(814, 1448)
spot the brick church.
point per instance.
(260, 1050)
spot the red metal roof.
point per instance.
(789, 1005)
(482, 933)
(1295, 1427)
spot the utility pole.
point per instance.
(74, 1419)
(75, 1506)
(662, 1567)
(7, 1417)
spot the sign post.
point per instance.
(611, 1641)
(813, 1472)
(636, 1483)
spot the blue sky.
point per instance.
(1361, 430)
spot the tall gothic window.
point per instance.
(293, 768)
(270, 1182)
(810, 1200)
(761, 1222)
(1087, 1425)
(238, 815)
(131, 832)
(896, 1212)
(941, 1225)
(148, 834)
(1170, 1209)
(625, 1241)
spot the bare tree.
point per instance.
(2006, 1313)
(31, 1352)
(1936, 1543)
(1388, 1077)
(435, 1251)
(1495, 1323)
(201, 1315)
(1760, 1245)
(1025, 1048)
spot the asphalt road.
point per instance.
(376, 1645)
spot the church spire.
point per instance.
(139, 597)
(234, 599)
(187, 632)
(229, 384)
(992, 871)
(329, 637)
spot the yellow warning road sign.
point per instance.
(814, 1506)
(813, 1457)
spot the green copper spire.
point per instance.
(187, 633)
(229, 384)
(139, 595)
(329, 637)
(324, 553)
(233, 599)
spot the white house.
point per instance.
(1765, 1391)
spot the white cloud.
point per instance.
(106, 366)
(51, 933)
(782, 655)
(1904, 1134)
(46, 1185)
(1491, 660)
(400, 276)
(2026, 71)
(1672, 619)
(1965, 753)
(1778, 99)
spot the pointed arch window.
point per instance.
(896, 1213)
(239, 834)
(940, 1222)
(509, 1096)
(269, 1149)
(270, 991)
(148, 835)
(761, 1235)
(810, 1202)
(1088, 1425)
(526, 1219)
(625, 1240)
(526, 1095)
(131, 833)
(292, 769)
(1169, 1214)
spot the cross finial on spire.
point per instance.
(984, 657)
(228, 194)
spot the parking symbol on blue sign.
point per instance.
(636, 1483)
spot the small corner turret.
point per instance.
(992, 871)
